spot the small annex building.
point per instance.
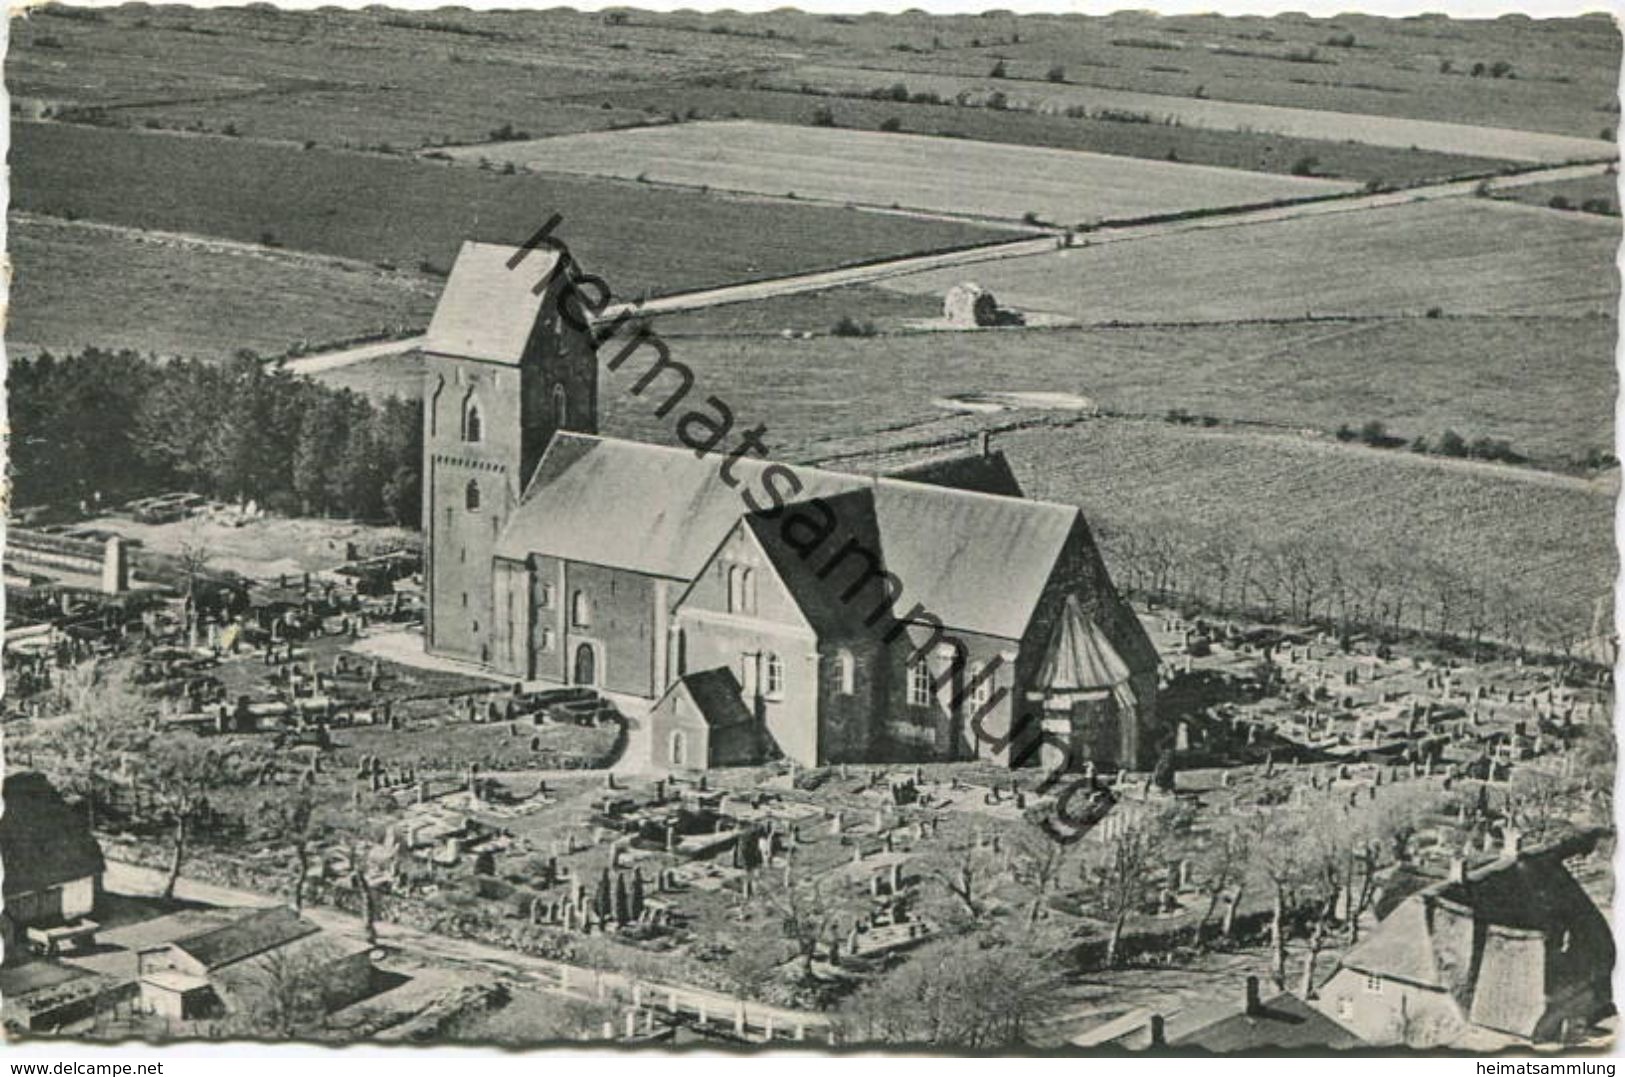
(52, 863)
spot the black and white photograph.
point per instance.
(1061, 532)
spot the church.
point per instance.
(750, 609)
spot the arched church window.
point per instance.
(846, 669)
(580, 610)
(561, 408)
(471, 496)
(473, 428)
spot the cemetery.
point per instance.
(472, 808)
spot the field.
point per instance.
(1158, 108)
(415, 214)
(1550, 538)
(1464, 256)
(77, 285)
(1406, 373)
(1253, 151)
(981, 179)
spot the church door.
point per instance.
(586, 665)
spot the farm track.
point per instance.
(1025, 247)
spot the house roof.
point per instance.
(979, 562)
(1518, 943)
(43, 841)
(255, 933)
(820, 598)
(1283, 1022)
(716, 696)
(481, 282)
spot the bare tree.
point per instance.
(806, 909)
(104, 718)
(1119, 876)
(179, 772)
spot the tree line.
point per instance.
(116, 424)
(1386, 592)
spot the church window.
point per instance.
(774, 670)
(919, 684)
(981, 687)
(561, 408)
(471, 496)
(747, 590)
(545, 599)
(547, 639)
(679, 748)
(581, 610)
(473, 428)
(846, 668)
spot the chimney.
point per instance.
(1158, 1036)
(1252, 996)
(984, 441)
(1458, 870)
(1511, 844)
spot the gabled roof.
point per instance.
(1518, 943)
(482, 282)
(978, 562)
(43, 842)
(820, 599)
(1281, 1023)
(715, 694)
(255, 933)
(983, 473)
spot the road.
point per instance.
(1026, 246)
(756, 1018)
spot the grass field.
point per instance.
(418, 79)
(408, 213)
(1546, 385)
(75, 286)
(1464, 256)
(1253, 151)
(1159, 108)
(915, 172)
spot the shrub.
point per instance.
(849, 326)
(1346, 433)
(1374, 433)
(1341, 41)
(891, 123)
(1501, 69)
(897, 92)
(1452, 444)
(268, 239)
(230, 130)
(1420, 445)
(997, 101)
(1435, 312)
(1305, 165)
(823, 116)
(310, 144)
(1597, 205)
(1559, 202)
(998, 71)
(1056, 74)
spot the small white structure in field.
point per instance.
(969, 306)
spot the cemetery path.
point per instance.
(133, 879)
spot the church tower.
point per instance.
(504, 372)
